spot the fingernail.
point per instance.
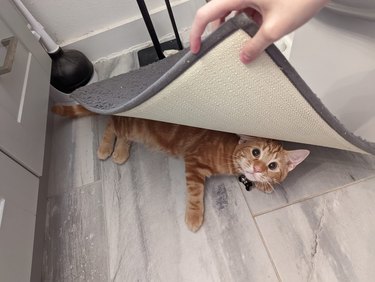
(244, 58)
(194, 47)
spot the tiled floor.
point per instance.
(126, 223)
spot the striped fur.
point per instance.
(205, 153)
(71, 111)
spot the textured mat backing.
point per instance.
(215, 90)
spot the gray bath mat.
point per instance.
(214, 90)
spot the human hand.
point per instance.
(276, 18)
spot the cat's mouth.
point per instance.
(252, 176)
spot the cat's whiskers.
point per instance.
(270, 184)
(265, 179)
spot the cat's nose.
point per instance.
(258, 167)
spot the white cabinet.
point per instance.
(18, 198)
(24, 89)
(23, 92)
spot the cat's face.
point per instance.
(265, 161)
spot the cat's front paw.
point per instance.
(121, 152)
(104, 152)
(264, 187)
(119, 157)
(194, 220)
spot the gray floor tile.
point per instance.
(148, 239)
(74, 162)
(327, 238)
(324, 170)
(76, 247)
(134, 230)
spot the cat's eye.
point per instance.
(256, 152)
(272, 166)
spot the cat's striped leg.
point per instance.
(195, 195)
(106, 146)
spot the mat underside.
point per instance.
(215, 90)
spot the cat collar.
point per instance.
(248, 184)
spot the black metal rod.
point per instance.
(175, 30)
(150, 28)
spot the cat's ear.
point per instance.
(245, 138)
(295, 157)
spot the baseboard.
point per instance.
(133, 32)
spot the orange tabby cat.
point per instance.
(205, 152)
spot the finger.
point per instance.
(213, 10)
(256, 45)
(216, 23)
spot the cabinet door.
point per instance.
(18, 198)
(23, 92)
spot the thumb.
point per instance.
(256, 45)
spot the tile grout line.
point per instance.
(254, 216)
(314, 196)
(104, 205)
(262, 238)
(267, 250)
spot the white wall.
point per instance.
(111, 24)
